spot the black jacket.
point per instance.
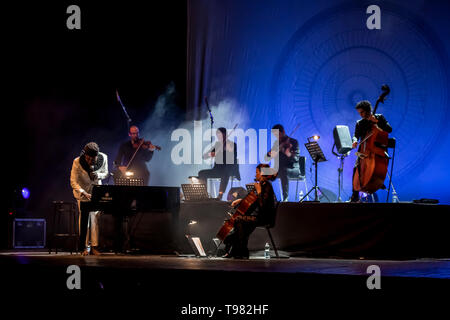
(138, 166)
(363, 126)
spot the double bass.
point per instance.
(373, 158)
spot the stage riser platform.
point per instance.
(352, 230)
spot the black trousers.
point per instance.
(284, 174)
(237, 240)
(355, 194)
(217, 172)
(121, 238)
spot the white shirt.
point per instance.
(80, 180)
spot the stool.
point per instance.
(213, 181)
(234, 179)
(59, 208)
(211, 186)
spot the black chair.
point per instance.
(299, 175)
(269, 226)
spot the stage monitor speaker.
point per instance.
(29, 233)
(326, 195)
(342, 139)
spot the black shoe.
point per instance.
(227, 256)
(354, 197)
(241, 257)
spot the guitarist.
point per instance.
(138, 165)
(362, 128)
(260, 214)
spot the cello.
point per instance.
(372, 156)
(237, 213)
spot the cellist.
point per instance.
(362, 128)
(261, 213)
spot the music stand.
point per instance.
(195, 192)
(250, 187)
(317, 156)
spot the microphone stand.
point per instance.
(124, 109)
(340, 170)
(211, 123)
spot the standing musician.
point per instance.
(225, 166)
(362, 128)
(261, 213)
(138, 164)
(87, 170)
(288, 151)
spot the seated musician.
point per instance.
(362, 128)
(288, 151)
(87, 170)
(225, 166)
(260, 214)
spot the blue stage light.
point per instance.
(25, 193)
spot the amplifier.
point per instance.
(29, 233)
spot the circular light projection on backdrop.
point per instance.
(333, 61)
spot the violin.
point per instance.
(285, 145)
(141, 143)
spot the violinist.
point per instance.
(362, 128)
(261, 213)
(138, 164)
(225, 154)
(287, 149)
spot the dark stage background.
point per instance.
(60, 85)
(259, 63)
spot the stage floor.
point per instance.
(170, 285)
(421, 268)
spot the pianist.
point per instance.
(88, 169)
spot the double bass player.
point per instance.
(363, 127)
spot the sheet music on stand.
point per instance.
(250, 187)
(315, 151)
(194, 192)
(129, 182)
